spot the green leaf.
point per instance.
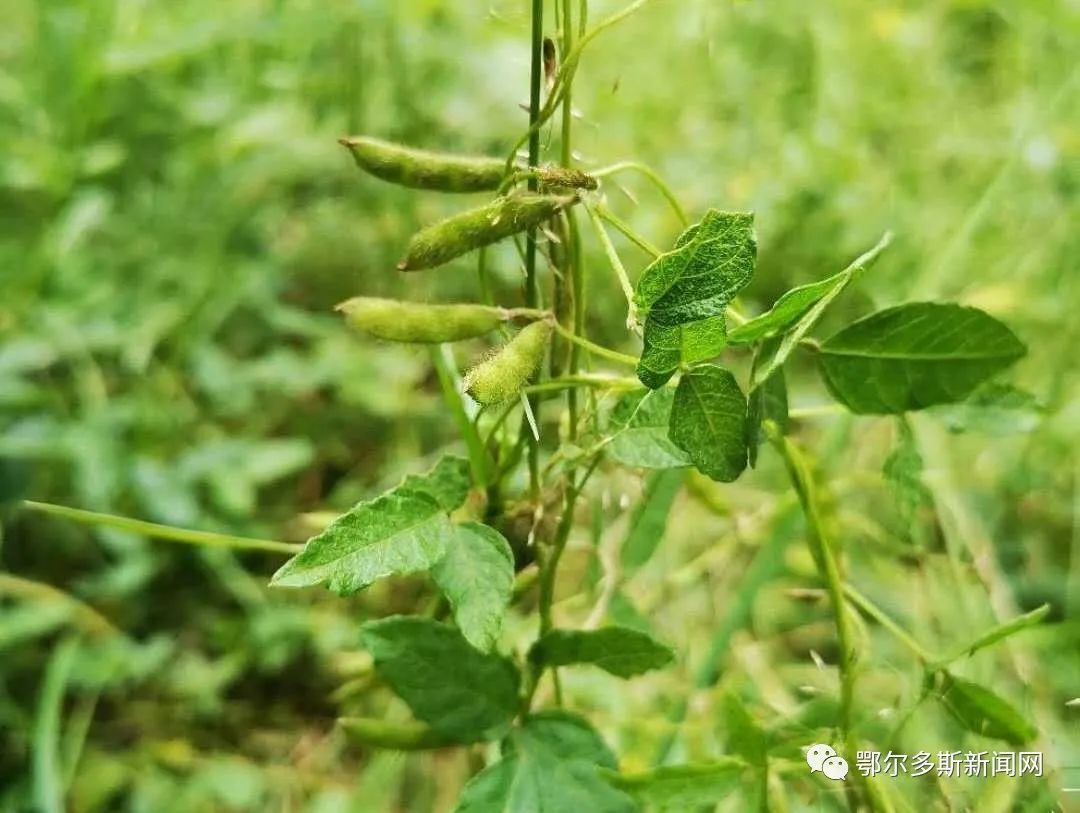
(766, 402)
(639, 431)
(903, 470)
(982, 711)
(405, 530)
(649, 520)
(710, 264)
(683, 787)
(788, 309)
(1000, 632)
(797, 332)
(460, 692)
(708, 422)
(448, 482)
(993, 409)
(913, 356)
(620, 651)
(667, 347)
(551, 764)
(477, 578)
(741, 731)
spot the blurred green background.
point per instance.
(177, 222)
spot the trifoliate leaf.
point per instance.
(708, 422)
(403, 531)
(638, 428)
(678, 788)
(710, 264)
(667, 347)
(914, 356)
(460, 692)
(620, 651)
(477, 578)
(551, 764)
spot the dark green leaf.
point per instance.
(903, 471)
(403, 531)
(913, 356)
(448, 482)
(982, 711)
(708, 422)
(667, 347)
(457, 690)
(621, 651)
(649, 520)
(683, 787)
(710, 263)
(993, 409)
(477, 578)
(638, 429)
(767, 402)
(788, 309)
(551, 764)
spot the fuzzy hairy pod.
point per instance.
(415, 322)
(423, 169)
(565, 178)
(501, 377)
(462, 233)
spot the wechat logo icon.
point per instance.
(822, 757)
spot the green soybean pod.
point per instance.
(462, 233)
(418, 323)
(501, 377)
(423, 169)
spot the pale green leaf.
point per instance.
(803, 325)
(638, 429)
(708, 422)
(787, 310)
(460, 692)
(683, 787)
(648, 522)
(477, 578)
(710, 264)
(620, 651)
(993, 409)
(913, 356)
(405, 530)
(983, 711)
(668, 347)
(903, 470)
(448, 482)
(551, 764)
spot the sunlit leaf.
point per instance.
(477, 577)
(638, 429)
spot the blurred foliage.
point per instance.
(178, 222)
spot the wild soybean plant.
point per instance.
(684, 409)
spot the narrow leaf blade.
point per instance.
(983, 711)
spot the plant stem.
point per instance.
(887, 623)
(446, 371)
(653, 176)
(571, 382)
(596, 349)
(824, 554)
(153, 529)
(616, 264)
(89, 619)
(532, 288)
(572, 255)
(628, 232)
